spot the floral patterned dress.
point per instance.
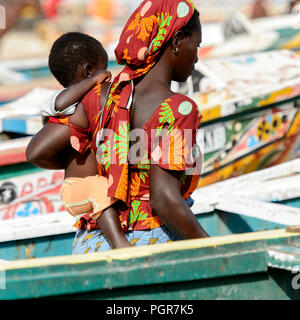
(169, 140)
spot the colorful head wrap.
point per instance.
(148, 29)
(152, 25)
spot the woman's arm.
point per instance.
(77, 91)
(168, 204)
(46, 148)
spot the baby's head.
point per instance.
(75, 56)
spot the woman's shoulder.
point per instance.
(177, 110)
(183, 105)
(179, 97)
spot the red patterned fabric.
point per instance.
(80, 138)
(151, 26)
(177, 150)
(84, 139)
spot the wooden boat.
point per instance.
(250, 119)
(259, 265)
(264, 200)
(238, 35)
(240, 261)
(22, 76)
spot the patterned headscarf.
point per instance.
(148, 29)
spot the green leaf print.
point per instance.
(122, 142)
(144, 163)
(105, 158)
(166, 116)
(109, 98)
(163, 21)
(143, 175)
(183, 179)
(136, 214)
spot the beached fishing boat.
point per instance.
(19, 77)
(264, 200)
(26, 190)
(252, 266)
(250, 119)
(240, 261)
(238, 35)
(249, 264)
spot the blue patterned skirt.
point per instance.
(94, 240)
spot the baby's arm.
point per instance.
(110, 225)
(76, 92)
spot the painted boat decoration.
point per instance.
(247, 265)
(26, 190)
(31, 195)
(250, 119)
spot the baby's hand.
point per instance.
(101, 76)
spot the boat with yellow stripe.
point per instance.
(259, 265)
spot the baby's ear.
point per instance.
(87, 70)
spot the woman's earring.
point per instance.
(176, 51)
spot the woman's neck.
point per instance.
(160, 74)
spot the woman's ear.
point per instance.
(176, 42)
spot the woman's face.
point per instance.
(188, 55)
